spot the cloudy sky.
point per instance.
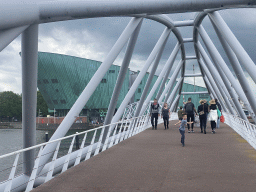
(93, 38)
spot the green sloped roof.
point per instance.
(62, 78)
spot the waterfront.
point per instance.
(11, 140)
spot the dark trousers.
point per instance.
(190, 117)
(166, 122)
(203, 120)
(182, 137)
(213, 125)
(154, 116)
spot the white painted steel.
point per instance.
(242, 127)
(168, 64)
(34, 171)
(142, 73)
(65, 166)
(88, 155)
(183, 23)
(193, 75)
(188, 40)
(79, 154)
(51, 168)
(225, 73)
(191, 57)
(172, 80)
(194, 93)
(91, 86)
(175, 89)
(235, 45)
(11, 176)
(34, 12)
(238, 71)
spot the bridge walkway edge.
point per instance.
(154, 160)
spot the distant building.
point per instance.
(62, 78)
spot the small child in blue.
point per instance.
(183, 124)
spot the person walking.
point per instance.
(154, 112)
(166, 115)
(180, 112)
(190, 109)
(183, 124)
(219, 107)
(213, 116)
(202, 111)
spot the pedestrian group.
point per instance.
(187, 114)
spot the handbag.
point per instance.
(201, 112)
(222, 119)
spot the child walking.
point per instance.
(183, 124)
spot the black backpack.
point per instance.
(189, 107)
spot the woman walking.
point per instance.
(202, 111)
(213, 115)
(166, 115)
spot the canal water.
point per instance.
(11, 140)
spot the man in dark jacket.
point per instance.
(154, 112)
(190, 109)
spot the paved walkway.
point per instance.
(154, 160)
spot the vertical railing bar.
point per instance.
(90, 147)
(11, 176)
(34, 171)
(79, 154)
(124, 131)
(112, 139)
(130, 128)
(99, 142)
(65, 166)
(51, 167)
(119, 133)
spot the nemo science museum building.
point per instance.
(62, 78)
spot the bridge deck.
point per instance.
(154, 160)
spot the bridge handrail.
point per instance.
(53, 141)
(243, 128)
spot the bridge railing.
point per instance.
(244, 128)
(70, 151)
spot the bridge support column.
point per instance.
(224, 72)
(219, 81)
(172, 80)
(89, 89)
(151, 75)
(238, 49)
(175, 103)
(175, 89)
(173, 57)
(214, 79)
(29, 55)
(121, 75)
(238, 70)
(168, 65)
(142, 73)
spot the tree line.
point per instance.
(11, 106)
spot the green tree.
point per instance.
(10, 105)
(41, 104)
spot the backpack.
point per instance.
(189, 107)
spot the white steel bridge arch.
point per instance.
(25, 17)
